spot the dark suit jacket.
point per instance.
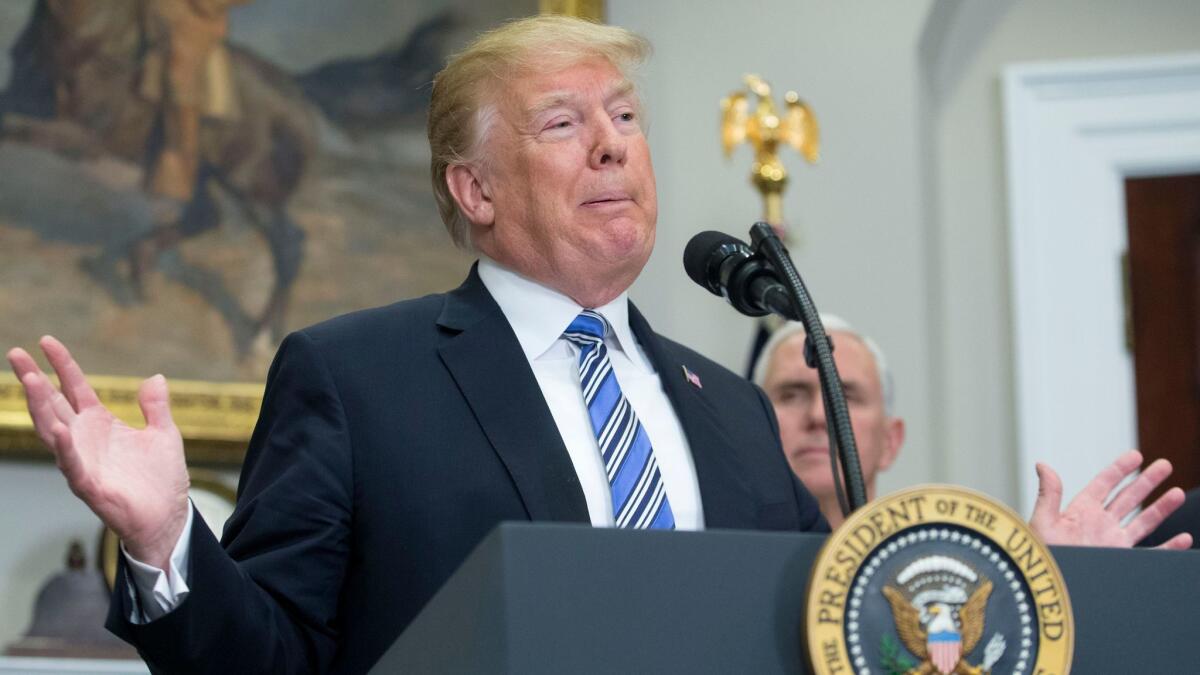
(390, 442)
(1186, 519)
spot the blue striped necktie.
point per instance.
(638, 497)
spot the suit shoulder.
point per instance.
(399, 320)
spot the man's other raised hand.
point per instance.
(1092, 519)
(135, 480)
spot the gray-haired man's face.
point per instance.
(794, 390)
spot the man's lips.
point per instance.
(606, 198)
(804, 450)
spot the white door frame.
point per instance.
(1074, 131)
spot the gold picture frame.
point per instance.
(592, 10)
(216, 419)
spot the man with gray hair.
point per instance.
(794, 389)
(795, 392)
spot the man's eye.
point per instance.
(626, 117)
(791, 396)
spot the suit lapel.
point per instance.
(484, 358)
(725, 493)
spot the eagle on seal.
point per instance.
(940, 642)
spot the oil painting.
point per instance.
(183, 182)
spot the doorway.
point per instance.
(1163, 216)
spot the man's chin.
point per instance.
(816, 478)
(625, 236)
(629, 250)
(813, 470)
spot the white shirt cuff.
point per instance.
(158, 592)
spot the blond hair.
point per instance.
(461, 107)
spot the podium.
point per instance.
(545, 598)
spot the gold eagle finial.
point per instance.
(765, 129)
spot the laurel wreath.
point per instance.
(892, 658)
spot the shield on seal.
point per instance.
(944, 650)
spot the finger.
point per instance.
(1153, 516)
(1114, 473)
(32, 378)
(1180, 542)
(155, 401)
(40, 398)
(1132, 495)
(22, 363)
(1049, 498)
(62, 407)
(70, 375)
(41, 391)
(67, 457)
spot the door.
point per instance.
(1163, 215)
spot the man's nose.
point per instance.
(608, 146)
(816, 413)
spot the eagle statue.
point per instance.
(765, 128)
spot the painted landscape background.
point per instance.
(367, 224)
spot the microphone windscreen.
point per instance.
(697, 255)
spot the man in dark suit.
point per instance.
(392, 440)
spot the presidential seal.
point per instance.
(937, 580)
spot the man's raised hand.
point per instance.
(1090, 521)
(135, 480)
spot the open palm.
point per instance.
(135, 480)
(1091, 519)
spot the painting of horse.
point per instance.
(298, 186)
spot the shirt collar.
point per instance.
(539, 314)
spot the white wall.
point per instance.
(904, 222)
(970, 213)
(38, 519)
(858, 212)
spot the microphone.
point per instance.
(764, 279)
(727, 267)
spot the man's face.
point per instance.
(795, 391)
(567, 171)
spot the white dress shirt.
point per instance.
(538, 316)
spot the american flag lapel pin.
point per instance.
(692, 377)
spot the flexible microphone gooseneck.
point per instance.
(818, 352)
(764, 280)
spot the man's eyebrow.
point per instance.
(622, 89)
(556, 99)
(854, 388)
(551, 101)
(790, 385)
